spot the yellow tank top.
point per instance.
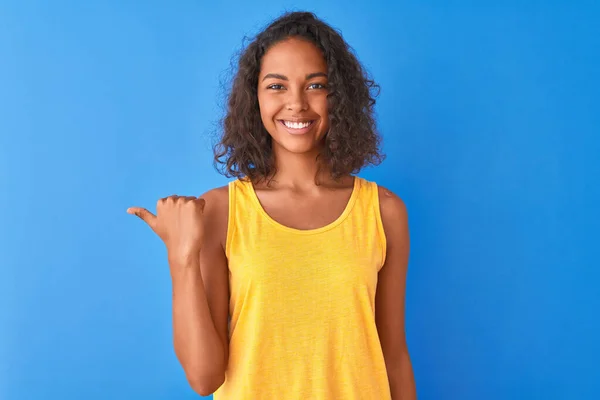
(302, 303)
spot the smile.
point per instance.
(297, 128)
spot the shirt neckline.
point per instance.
(331, 225)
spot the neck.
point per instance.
(299, 170)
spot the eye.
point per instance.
(320, 86)
(278, 87)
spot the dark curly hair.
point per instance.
(352, 141)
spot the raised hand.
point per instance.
(178, 222)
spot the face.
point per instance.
(292, 94)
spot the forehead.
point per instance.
(293, 56)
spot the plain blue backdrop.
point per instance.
(490, 118)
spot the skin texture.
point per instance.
(297, 97)
(390, 295)
(290, 96)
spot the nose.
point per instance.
(296, 100)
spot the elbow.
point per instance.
(204, 378)
(205, 386)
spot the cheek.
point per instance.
(268, 109)
(320, 106)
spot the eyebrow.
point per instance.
(285, 78)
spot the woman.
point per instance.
(277, 275)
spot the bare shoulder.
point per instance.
(393, 208)
(216, 212)
(218, 196)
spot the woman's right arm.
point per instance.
(194, 231)
(201, 301)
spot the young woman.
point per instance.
(289, 282)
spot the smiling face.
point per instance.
(292, 95)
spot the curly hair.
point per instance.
(352, 141)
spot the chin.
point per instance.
(309, 146)
(298, 149)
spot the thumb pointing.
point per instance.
(144, 214)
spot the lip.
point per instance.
(297, 131)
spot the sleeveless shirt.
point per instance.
(302, 303)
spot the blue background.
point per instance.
(490, 118)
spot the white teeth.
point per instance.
(296, 125)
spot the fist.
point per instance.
(178, 222)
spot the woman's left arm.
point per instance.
(390, 297)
